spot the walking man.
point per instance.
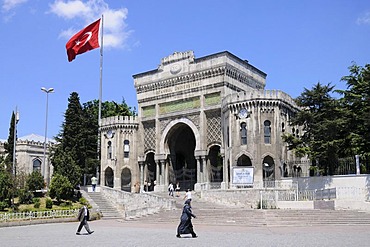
(170, 189)
(83, 217)
(94, 181)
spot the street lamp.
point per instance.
(47, 91)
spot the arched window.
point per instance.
(267, 131)
(243, 133)
(109, 150)
(36, 165)
(126, 148)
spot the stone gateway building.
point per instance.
(202, 123)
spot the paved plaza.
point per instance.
(118, 233)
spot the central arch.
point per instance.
(180, 144)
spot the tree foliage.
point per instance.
(9, 145)
(60, 188)
(321, 120)
(334, 128)
(356, 105)
(35, 181)
(6, 185)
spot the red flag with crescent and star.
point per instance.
(85, 40)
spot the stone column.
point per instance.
(141, 166)
(205, 170)
(163, 172)
(157, 174)
(198, 169)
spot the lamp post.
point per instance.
(47, 91)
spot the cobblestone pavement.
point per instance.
(118, 233)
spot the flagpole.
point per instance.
(100, 96)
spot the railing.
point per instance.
(36, 215)
(326, 194)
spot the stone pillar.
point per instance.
(157, 174)
(141, 166)
(163, 172)
(166, 172)
(198, 169)
(205, 170)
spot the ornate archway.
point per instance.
(109, 177)
(126, 180)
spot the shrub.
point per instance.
(35, 181)
(60, 188)
(25, 196)
(83, 201)
(3, 205)
(37, 205)
(49, 203)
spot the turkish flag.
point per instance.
(85, 40)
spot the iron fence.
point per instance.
(37, 215)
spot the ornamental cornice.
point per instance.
(265, 105)
(177, 80)
(242, 77)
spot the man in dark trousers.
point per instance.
(83, 217)
(185, 226)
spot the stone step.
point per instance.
(108, 210)
(211, 214)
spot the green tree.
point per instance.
(35, 181)
(60, 188)
(322, 127)
(6, 186)
(68, 156)
(9, 145)
(356, 106)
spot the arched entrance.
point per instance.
(268, 167)
(215, 159)
(181, 144)
(126, 180)
(150, 172)
(244, 160)
(109, 177)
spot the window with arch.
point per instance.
(243, 133)
(36, 165)
(109, 150)
(126, 148)
(267, 131)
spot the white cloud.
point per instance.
(364, 19)
(115, 33)
(11, 4)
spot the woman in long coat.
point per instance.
(185, 226)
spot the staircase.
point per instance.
(104, 206)
(211, 214)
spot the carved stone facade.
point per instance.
(30, 155)
(198, 119)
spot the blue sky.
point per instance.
(297, 43)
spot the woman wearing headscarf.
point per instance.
(185, 226)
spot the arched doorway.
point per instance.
(216, 162)
(181, 143)
(150, 173)
(268, 167)
(244, 160)
(109, 177)
(126, 180)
